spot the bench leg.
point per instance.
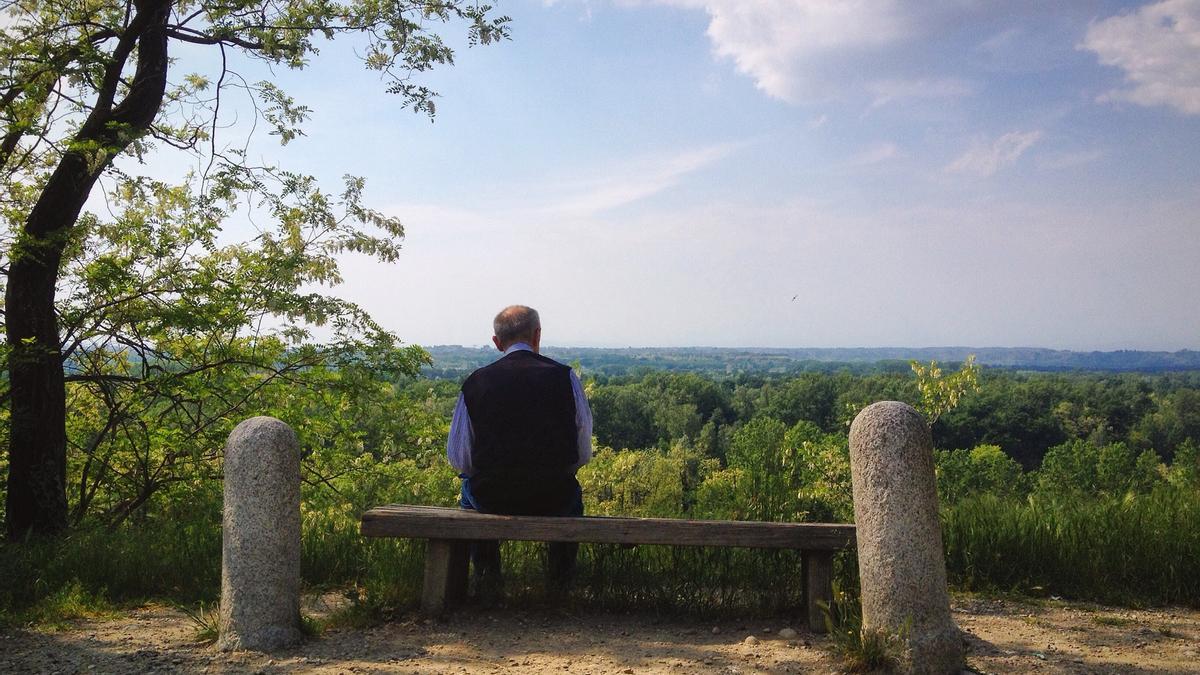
(445, 575)
(818, 586)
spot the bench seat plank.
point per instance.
(432, 522)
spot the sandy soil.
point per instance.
(1003, 636)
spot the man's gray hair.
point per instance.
(516, 323)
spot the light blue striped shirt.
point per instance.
(462, 435)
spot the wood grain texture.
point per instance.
(430, 522)
(818, 586)
(445, 575)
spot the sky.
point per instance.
(803, 173)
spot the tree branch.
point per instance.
(101, 378)
(185, 34)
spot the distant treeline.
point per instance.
(1025, 413)
(454, 361)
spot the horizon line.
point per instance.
(859, 348)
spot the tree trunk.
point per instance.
(37, 498)
(37, 491)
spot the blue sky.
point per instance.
(788, 173)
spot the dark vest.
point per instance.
(522, 410)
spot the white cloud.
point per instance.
(876, 154)
(1003, 42)
(986, 158)
(588, 194)
(631, 182)
(586, 16)
(1069, 160)
(888, 91)
(780, 43)
(1158, 48)
(1034, 47)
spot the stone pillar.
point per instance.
(900, 559)
(260, 545)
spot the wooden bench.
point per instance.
(451, 530)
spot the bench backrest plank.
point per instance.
(431, 522)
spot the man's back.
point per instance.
(523, 417)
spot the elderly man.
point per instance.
(521, 428)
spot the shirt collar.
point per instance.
(516, 347)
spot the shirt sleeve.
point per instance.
(462, 439)
(583, 422)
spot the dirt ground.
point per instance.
(1003, 636)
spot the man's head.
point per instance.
(517, 323)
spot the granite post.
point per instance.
(900, 559)
(260, 546)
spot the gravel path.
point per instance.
(1003, 636)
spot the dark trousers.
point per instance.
(485, 555)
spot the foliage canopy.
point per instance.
(139, 315)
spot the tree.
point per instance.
(624, 416)
(1079, 467)
(1014, 412)
(984, 470)
(1174, 419)
(83, 83)
(941, 393)
(1185, 466)
(164, 346)
(808, 396)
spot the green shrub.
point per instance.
(984, 470)
(1082, 468)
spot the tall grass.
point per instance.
(179, 560)
(1133, 549)
(387, 572)
(176, 559)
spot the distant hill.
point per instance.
(454, 361)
